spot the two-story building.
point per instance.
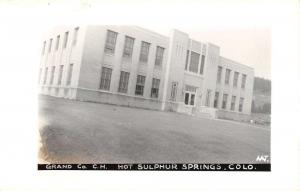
(135, 67)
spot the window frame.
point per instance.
(70, 73)
(110, 42)
(66, 38)
(155, 88)
(244, 78)
(123, 82)
(75, 36)
(224, 101)
(60, 74)
(57, 42)
(105, 79)
(144, 52)
(241, 104)
(216, 99)
(227, 76)
(235, 79)
(195, 59)
(232, 104)
(140, 85)
(159, 56)
(128, 47)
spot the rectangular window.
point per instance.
(45, 75)
(128, 47)
(219, 76)
(110, 43)
(192, 102)
(216, 100)
(40, 73)
(66, 39)
(202, 64)
(235, 79)
(155, 88)
(52, 75)
(159, 56)
(227, 76)
(189, 97)
(194, 62)
(105, 78)
(61, 68)
(174, 91)
(186, 98)
(187, 59)
(123, 83)
(243, 81)
(140, 83)
(241, 104)
(207, 102)
(224, 103)
(50, 45)
(75, 35)
(233, 98)
(70, 72)
(57, 42)
(44, 47)
(144, 51)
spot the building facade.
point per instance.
(135, 67)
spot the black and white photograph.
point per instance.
(150, 95)
(126, 94)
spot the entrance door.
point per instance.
(189, 98)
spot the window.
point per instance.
(159, 56)
(52, 75)
(45, 75)
(233, 98)
(194, 62)
(155, 88)
(140, 83)
(207, 102)
(187, 59)
(216, 100)
(189, 97)
(50, 45)
(61, 68)
(110, 43)
(227, 76)
(243, 81)
(44, 47)
(57, 42)
(235, 79)
(202, 64)
(123, 83)
(241, 104)
(174, 91)
(70, 72)
(144, 51)
(66, 39)
(105, 78)
(219, 74)
(75, 35)
(224, 103)
(40, 74)
(128, 47)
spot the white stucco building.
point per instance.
(132, 66)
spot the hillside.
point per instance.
(261, 102)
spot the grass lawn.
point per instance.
(83, 132)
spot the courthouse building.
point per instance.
(135, 67)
